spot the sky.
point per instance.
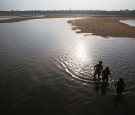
(67, 4)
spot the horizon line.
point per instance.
(69, 10)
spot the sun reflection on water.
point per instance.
(77, 60)
(80, 52)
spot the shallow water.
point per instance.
(46, 68)
(5, 17)
(129, 22)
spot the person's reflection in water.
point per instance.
(100, 87)
(117, 99)
(104, 87)
(97, 86)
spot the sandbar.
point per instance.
(104, 26)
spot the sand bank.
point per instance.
(104, 26)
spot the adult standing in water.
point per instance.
(98, 68)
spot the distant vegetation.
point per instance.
(92, 12)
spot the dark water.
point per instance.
(46, 69)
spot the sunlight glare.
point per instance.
(81, 51)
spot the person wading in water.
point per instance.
(105, 74)
(98, 68)
(120, 86)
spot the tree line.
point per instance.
(92, 12)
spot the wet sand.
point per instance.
(104, 26)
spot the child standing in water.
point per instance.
(105, 74)
(120, 86)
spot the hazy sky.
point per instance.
(67, 4)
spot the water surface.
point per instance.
(129, 22)
(46, 68)
(5, 17)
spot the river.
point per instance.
(47, 68)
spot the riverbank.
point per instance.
(104, 26)
(20, 18)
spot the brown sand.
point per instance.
(104, 26)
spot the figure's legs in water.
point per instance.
(95, 73)
(107, 79)
(98, 75)
(103, 78)
(119, 92)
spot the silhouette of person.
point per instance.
(105, 74)
(120, 86)
(98, 68)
